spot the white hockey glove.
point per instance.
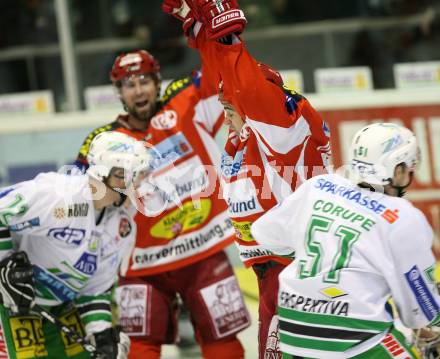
(17, 286)
(111, 343)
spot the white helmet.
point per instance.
(377, 149)
(115, 149)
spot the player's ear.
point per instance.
(399, 171)
(118, 91)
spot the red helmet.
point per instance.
(134, 63)
(271, 74)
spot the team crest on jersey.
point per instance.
(124, 227)
(165, 120)
(87, 263)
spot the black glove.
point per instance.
(111, 343)
(17, 286)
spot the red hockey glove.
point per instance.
(172, 7)
(180, 10)
(221, 17)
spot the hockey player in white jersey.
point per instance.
(357, 243)
(62, 239)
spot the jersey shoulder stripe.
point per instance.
(84, 149)
(292, 99)
(174, 88)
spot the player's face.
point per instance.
(128, 186)
(140, 178)
(232, 118)
(139, 94)
(117, 179)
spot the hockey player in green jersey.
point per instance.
(62, 240)
(357, 243)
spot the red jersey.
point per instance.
(283, 142)
(183, 152)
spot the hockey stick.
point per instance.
(66, 330)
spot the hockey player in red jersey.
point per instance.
(180, 249)
(276, 140)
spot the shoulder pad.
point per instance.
(292, 99)
(174, 88)
(84, 149)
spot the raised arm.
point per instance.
(283, 119)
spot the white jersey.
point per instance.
(53, 220)
(353, 250)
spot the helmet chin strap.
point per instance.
(367, 186)
(122, 196)
(401, 189)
